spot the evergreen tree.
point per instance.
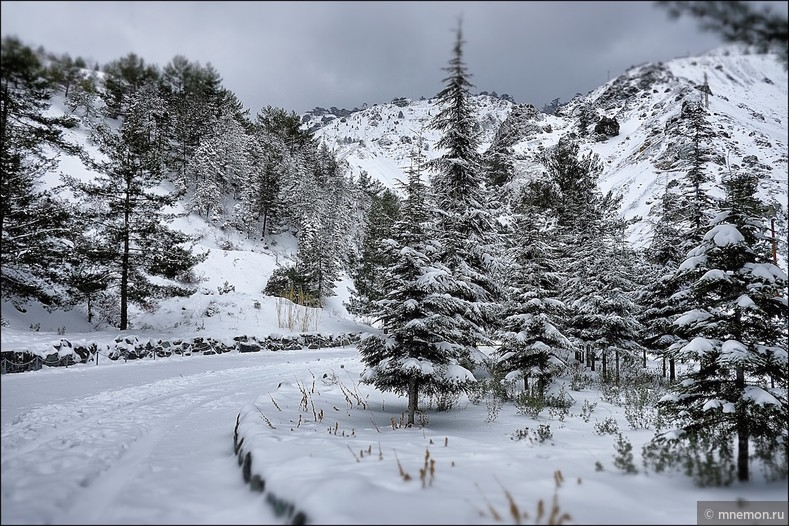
(83, 99)
(466, 228)
(266, 160)
(35, 225)
(661, 307)
(421, 349)
(685, 211)
(64, 73)
(605, 315)
(737, 344)
(122, 79)
(600, 285)
(368, 278)
(194, 96)
(128, 209)
(532, 344)
(219, 165)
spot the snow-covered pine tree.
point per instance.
(122, 79)
(277, 176)
(421, 349)
(663, 257)
(532, 344)
(605, 315)
(128, 209)
(685, 210)
(592, 254)
(35, 225)
(192, 94)
(368, 276)
(737, 331)
(205, 170)
(220, 164)
(265, 158)
(465, 223)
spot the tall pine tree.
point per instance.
(35, 225)
(465, 224)
(129, 210)
(737, 332)
(421, 349)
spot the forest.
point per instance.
(456, 258)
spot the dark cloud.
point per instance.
(298, 55)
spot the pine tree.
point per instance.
(532, 344)
(600, 285)
(193, 95)
(605, 314)
(465, 222)
(421, 349)
(661, 307)
(35, 225)
(219, 165)
(685, 211)
(737, 332)
(383, 212)
(128, 208)
(122, 79)
(266, 159)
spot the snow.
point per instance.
(767, 271)
(714, 275)
(697, 347)
(724, 235)
(759, 396)
(693, 316)
(151, 442)
(745, 302)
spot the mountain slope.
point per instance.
(747, 108)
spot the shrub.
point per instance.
(624, 455)
(587, 409)
(606, 427)
(529, 403)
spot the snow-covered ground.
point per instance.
(151, 442)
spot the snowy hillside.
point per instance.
(380, 139)
(747, 108)
(229, 301)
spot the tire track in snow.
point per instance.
(124, 447)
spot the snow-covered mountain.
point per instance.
(381, 138)
(746, 101)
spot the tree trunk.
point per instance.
(616, 358)
(125, 259)
(605, 368)
(664, 367)
(413, 398)
(672, 370)
(742, 431)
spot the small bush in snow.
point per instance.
(606, 427)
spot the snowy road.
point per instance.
(146, 442)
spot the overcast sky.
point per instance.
(299, 55)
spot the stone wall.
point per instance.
(65, 353)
